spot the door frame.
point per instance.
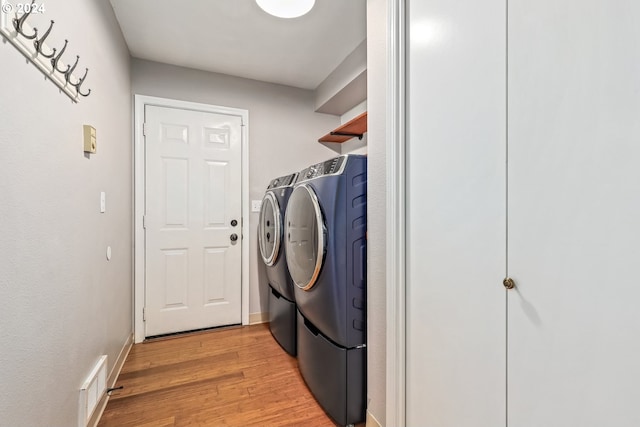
(140, 102)
(396, 182)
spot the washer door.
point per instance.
(305, 241)
(270, 229)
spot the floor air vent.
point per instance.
(92, 390)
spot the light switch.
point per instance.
(256, 205)
(90, 144)
(103, 202)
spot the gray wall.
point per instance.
(377, 12)
(283, 132)
(63, 303)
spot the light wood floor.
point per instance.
(230, 377)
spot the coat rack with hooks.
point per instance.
(23, 37)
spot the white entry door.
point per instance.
(192, 220)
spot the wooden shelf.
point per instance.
(355, 127)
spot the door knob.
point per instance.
(233, 237)
(509, 283)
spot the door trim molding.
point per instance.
(140, 101)
(396, 217)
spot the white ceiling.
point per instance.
(236, 37)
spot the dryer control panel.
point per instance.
(283, 181)
(330, 167)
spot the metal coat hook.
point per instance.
(19, 22)
(54, 61)
(67, 75)
(77, 85)
(39, 42)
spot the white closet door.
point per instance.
(574, 213)
(456, 214)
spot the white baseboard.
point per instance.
(255, 318)
(371, 420)
(111, 381)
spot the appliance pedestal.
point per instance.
(282, 321)
(335, 375)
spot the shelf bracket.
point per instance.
(359, 135)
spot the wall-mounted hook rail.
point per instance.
(48, 60)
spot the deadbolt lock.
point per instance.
(234, 222)
(509, 283)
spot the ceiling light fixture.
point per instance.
(286, 8)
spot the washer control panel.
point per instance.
(330, 167)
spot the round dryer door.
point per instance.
(305, 241)
(270, 229)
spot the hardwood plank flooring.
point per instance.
(229, 377)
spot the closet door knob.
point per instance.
(509, 283)
(233, 237)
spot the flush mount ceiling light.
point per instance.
(286, 8)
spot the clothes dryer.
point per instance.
(282, 308)
(325, 243)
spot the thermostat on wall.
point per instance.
(90, 144)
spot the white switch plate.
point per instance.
(256, 205)
(103, 202)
